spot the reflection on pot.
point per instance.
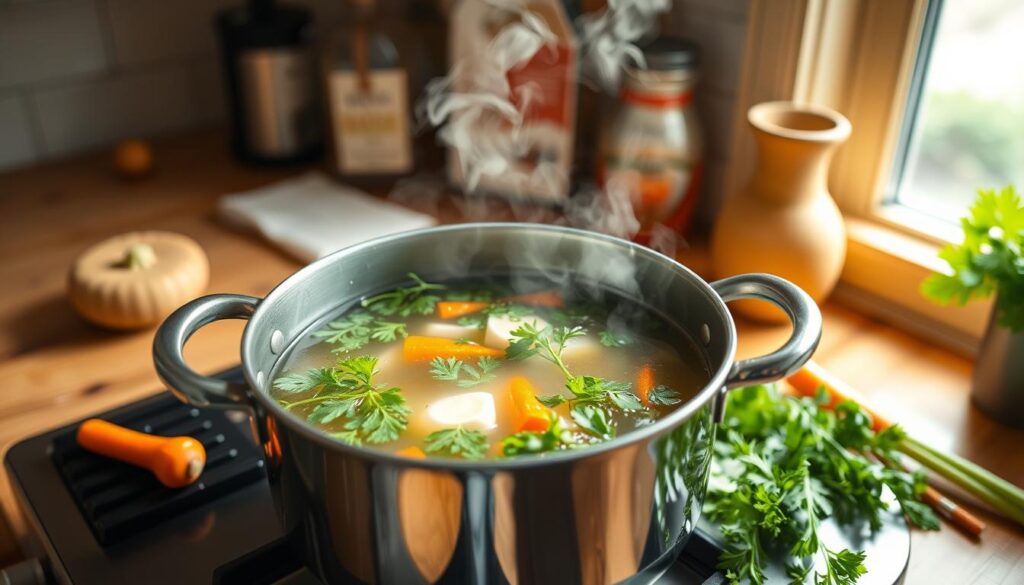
(429, 509)
(683, 462)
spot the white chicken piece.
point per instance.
(449, 331)
(584, 348)
(500, 328)
(469, 409)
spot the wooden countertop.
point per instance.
(57, 368)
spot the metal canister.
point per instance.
(653, 148)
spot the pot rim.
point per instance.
(703, 397)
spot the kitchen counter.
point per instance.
(57, 368)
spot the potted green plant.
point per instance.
(990, 260)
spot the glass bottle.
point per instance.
(653, 147)
(367, 94)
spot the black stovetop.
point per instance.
(99, 521)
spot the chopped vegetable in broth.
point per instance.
(476, 370)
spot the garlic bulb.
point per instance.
(134, 280)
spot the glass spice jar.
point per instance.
(653, 147)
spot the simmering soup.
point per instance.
(473, 369)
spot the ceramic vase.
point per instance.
(784, 221)
(997, 387)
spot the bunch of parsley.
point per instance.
(783, 464)
(989, 259)
(373, 412)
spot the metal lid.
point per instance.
(671, 54)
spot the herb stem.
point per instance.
(318, 398)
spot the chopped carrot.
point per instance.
(175, 461)
(644, 384)
(412, 452)
(544, 298)
(528, 412)
(418, 348)
(455, 309)
(807, 380)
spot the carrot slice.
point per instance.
(419, 348)
(412, 452)
(644, 384)
(544, 298)
(529, 414)
(175, 461)
(456, 309)
(807, 380)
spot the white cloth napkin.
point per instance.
(311, 216)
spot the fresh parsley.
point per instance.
(457, 442)
(990, 259)
(782, 465)
(374, 413)
(462, 373)
(358, 328)
(554, 438)
(405, 301)
(590, 394)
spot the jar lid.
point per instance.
(670, 54)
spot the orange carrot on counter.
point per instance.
(528, 412)
(809, 378)
(412, 452)
(456, 309)
(175, 461)
(644, 384)
(419, 348)
(545, 298)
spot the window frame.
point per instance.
(859, 58)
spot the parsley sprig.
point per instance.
(784, 464)
(457, 442)
(358, 328)
(463, 374)
(990, 259)
(406, 301)
(593, 398)
(375, 413)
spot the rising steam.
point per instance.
(476, 94)
(608, 39)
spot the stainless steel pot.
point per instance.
(615, 512)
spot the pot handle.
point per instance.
(187, 384)
(802, 312)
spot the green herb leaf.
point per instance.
(988, 260)
(358, 328)
(296, 382)
(375, 413)
(406, 301)
(663, 396)
(457, 442)
(453, 369)
(552, 401)
(783, 465)
(554, 438)
(594, 420)
(445, 369)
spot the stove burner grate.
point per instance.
(119, 500)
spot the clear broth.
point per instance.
(655, 343)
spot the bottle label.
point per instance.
(371, 122)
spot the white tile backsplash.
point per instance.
(96, 71)
(16, 144)
(100, 112)
(41, 41)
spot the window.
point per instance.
(964, 123)
(914, 160)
